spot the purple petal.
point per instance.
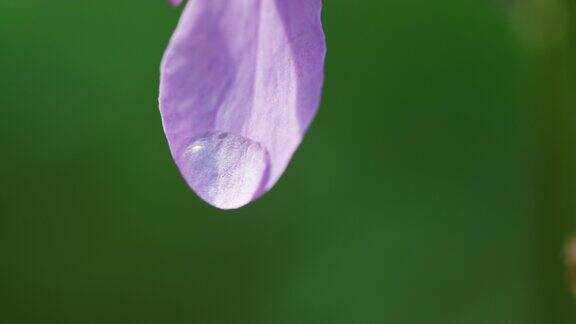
(175, 3)
(240, 84)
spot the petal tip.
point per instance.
(225, 170)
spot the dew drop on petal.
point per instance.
(226, 170)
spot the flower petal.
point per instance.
(175, 3)
(240, 84)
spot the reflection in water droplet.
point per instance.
(224, 169)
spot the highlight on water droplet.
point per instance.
(226, 170)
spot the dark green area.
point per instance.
(415, 197)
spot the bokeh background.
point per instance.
(435, 186)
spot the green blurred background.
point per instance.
(435, 185)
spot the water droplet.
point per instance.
(224, 169)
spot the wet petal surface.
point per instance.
(226, 170)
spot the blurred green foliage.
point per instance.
(413, 199)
